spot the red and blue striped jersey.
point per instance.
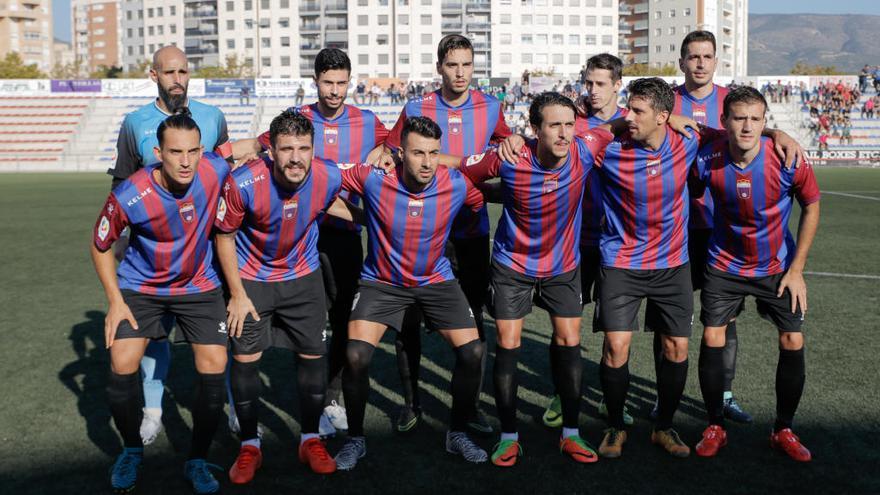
(170, 251)
(346, 139)
(752, 208)
(468, 129)
(706, 111)
(277, 234)
(592, 212)
(407, 231)
(645, 198)
(539, 230)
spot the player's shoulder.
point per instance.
(428, 99)
(721, 91)
(134, 188)
(143, 118)
(478, 97)
(252, 172)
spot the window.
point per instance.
(606, 20)
(658, 49)
(606, 39)
(130, 33)
(526, 39)
(249, 23)
(672, 47)
(285, 41)
(402, 39)
(574, 3)
(526, 20)
(526, 58)
(557, 20)
(383, 20)
(541, 58)
(151, 30)
(574, 59)
(265, 42)
(403, 58)
(363, 20)
(590, 39)
(541, 39)
(557, 39)
(284, 22)
(264, 22)
(541, 20)
(284, 4)
(128, 15)
(658, 32)
(264, 4)
(248, 43)
(383, 59)
(574, 20)
(230, 6)
(160, 29)
(363, 39)
(427, 39)
(266, 61)
(574, 39)
(160, 12)
(658, 15)
(506, 38)
(172, 10)
(671, 12)
(506, 58)
(426, 2)
(671, 30)
(505, 19)
(403, 19)
(426, 19)
(590, 20)
(606, 3)
(557, 3)
(427, 58)
(558, 58)
(363, 59)
(130, 50)
(362, 3)
(382, 39)
(686, 12)
(230, 44)
(248, 5)
(173, 28)
(285, 60)
(150, 12)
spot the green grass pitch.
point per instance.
(57, 436)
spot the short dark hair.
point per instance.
(606, 61)
(331, 59)
(655, 91)
(743, 94)
(290, 123)
(423, 126)
(546, 99)
(452, 42)
(695, 36)
(177, 121)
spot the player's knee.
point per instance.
(791, 341)
(470, 354)
(210, 359)
(358, 355)
(616, 352)
(714, 337)
(248, 358)
(675, 349)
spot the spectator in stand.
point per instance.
(823, 140)
(300, 95)
(846, 133)
(877, 79)
(244, 95)
(394, 94)
(869, 108)
(509, 101)
(375, 93)
(360, 93)
(863, 78)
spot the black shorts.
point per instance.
(724, 294)
(621, 292)
(443, 305)
(201, 318)
(293, 315)
(511, 294)
(591, 260)
(698, 252)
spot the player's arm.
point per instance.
(482, 167)
(378, 154)
(230, 215)
(343, 209)
(239, 305)
(807, 193)
(128, 160)
(245, 150)
(108, 228)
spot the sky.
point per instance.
(61, 10)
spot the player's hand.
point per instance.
(116, 314)
(375, 156)
(582, 105)
(510, 148)
(789, 150)
(386, 162)
(245, 159)
(683, 125)
(794, 281)
(237, 311)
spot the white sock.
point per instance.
(569, 432)
(510, 436)
(253, 442)
(727, 395)
(306, 437)
(153, 412)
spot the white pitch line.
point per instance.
(859, 196)
(843, 275)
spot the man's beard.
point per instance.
(174, 103)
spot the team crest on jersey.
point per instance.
(331, 135)
(744, 188)
(221, 209)
(104, 228)
(455, 124)
(550, 185)
(289, 209)
(654, 167)
(700, 115)
(187, 212)
(415, 207)
(474, 159)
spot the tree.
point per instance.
(139, 72)
(233, 69)
(801, 68)
(105, 72)
(12, 67)
(70, 70)
(644, 70)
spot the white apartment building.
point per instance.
(655, 29)
(555, 36)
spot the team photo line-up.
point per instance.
(257, 243)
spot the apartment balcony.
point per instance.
(624, 28)
(480, 45)
(451, 6)
(640, 26)
(309, 47)
(338, 26)
(640, 42)
(310, 28)
(478, 26)
(624, 46)
(624, 9)
(727, 7)
(451, 25)
(336, 7)
(202, 50)
(200, 13)
(342, 45)
(200, 32)
(309, 7)
(641, 8)
(479, 6)
(640, 58)
(306, 68)
(727, 24)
